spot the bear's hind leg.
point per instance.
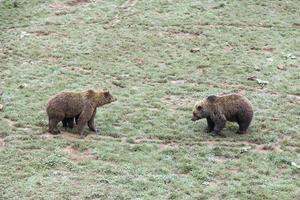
(52, 126)
(243, 126)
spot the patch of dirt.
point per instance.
(182, 34)
(168, 146)
(223, 25)
(15, 124)
(294, 99)
(267, 148)
(234, 170)
(147, 140)
(42, 33)
(59, 6)
(76, 155)
(9, 122)
(47, 136)
(291, 148)
(54, 60)
(65, 8)
(267, 49)
(65, 135)
(66, 5)
(78, 69)
(128, 4)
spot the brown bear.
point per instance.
(219, 109)
(82, 106)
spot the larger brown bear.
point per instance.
(219, 109)
(82, 106)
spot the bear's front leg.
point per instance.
(70, 122)
(84, 117)
(91, 123)
(219, 122)
(52, 126)
(65, 122)
(210, 125)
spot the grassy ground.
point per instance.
(157, 57)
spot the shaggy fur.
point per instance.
(219, 109)
(82, 106)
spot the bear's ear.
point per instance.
(211, 98)
(106, 93)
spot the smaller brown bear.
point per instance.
(219, 109)
(69, 122)
(82, 106)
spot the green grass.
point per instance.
(157, 57)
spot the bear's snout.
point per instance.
(194, 118)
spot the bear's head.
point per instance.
(202, 108)
(105, 97)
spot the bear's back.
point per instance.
(234, 106)
(68, 102)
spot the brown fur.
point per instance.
(219, 109)
(82, 106)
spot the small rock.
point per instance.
(245, 149)
(178, 82)
(291, 56)
(270, 60)
(23, 34)
(1, 107)
(1, 92)
(194, 50)
(281, 67)
(257, 68)
(22, 86)
(205, 183)
(295, 165)
(262, 82)
(252, 78)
